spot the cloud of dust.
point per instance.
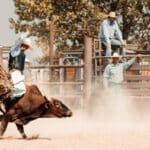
(107, 110)
(116, 108)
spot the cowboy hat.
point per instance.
(115, 55)
(27, 42)
(112, 14)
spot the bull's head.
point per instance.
(57, 109)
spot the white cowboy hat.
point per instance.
(115, 55)
(112, 14)
(27, 42)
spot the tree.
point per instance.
(75, 18)
(136, 18)
(72, 20)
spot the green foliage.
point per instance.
(72, 19)
(136, 18)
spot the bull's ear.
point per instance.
(45, 98)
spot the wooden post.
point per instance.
(61, 75)
(87, 70)
(51, 48)
(51, 44)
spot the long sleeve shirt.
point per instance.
(109, 31)
(113, 74)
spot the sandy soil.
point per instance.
(115, 123)
(78, 133)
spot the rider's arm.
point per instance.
(15, 49)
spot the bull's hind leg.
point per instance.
(21, 130)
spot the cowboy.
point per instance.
(16, 67)
(113, 73)
(110, 34)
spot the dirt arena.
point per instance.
(78, 133)
(108, 124)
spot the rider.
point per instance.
(16, 66)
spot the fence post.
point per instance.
(51, 43)
(51, 48)
(61, 91)
(87, 70)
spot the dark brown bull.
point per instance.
(31, 106)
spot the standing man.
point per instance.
(110, 34)
(113, 73)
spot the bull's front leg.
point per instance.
(21, 130)
(4, 124)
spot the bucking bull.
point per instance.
(32, 105)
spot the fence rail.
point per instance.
(56, 66)
(58, 83)
(137, 78)
(125, 56)
(71, 91)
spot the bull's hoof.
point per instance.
(24, 136)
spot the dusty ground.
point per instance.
(78, 133)
(115, 123)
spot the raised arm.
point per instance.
(127, 64)
(15, 49)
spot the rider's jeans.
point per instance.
(19, 87)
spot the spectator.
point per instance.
(110, 34)
(113, 73)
